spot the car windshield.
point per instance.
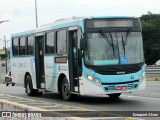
(113, 48)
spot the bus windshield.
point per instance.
(113, 48)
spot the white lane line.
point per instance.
(141, 97)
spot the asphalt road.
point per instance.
(148, 100)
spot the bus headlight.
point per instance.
(90, 78)
(142, 76)
(93, 79)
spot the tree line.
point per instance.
(151, 37)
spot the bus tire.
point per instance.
(29, 87)
(38, 93)
(116, 95)
(65, 90)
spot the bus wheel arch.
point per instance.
(28, 84)
(60, 79)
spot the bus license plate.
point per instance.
(121, 87)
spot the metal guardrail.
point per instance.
(152, 70)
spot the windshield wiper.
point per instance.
(123, 45)
(112, 43)
(128, 33)
(106, 38)
(126, 36)
(124, 41)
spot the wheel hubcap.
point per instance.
(28, 88)
(66, 89)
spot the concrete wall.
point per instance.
(8, 106)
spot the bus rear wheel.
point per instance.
(116, 95)
(29, 87)
(65, 90)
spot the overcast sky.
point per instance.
(21, 13)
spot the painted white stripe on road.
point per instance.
(130, 96)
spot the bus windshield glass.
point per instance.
(113, 48)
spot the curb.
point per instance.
(8, 106)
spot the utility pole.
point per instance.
(5, 51)
(36, 13)
(5, 43)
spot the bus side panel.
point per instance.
(19, 67)
(15, 71)
(32, 71)
(52, 72)
(49, 79)
(61, 68)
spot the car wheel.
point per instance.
(6, 83)
(116, 95)
(13, 84)
(29, 87)
(65, 90)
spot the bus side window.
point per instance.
(30, 45)
(49, 43)
(22, 46)
(61, 42)
(15, 46)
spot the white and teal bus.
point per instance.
(85, 56)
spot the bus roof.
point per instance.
(66, 22)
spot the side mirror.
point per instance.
(82, 45)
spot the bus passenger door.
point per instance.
(39, 61)
(73, 61)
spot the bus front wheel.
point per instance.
(116, 95)
(65, 90)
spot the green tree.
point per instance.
(151, 37)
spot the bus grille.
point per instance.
(129, 86)
(115, 69)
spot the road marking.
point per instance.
(43, 105)
(141, 97)
(48, 103)
(66, 107)
(32, 101)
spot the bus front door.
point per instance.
(39, 61)
(73, 61)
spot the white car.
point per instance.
(8, 79)
(3, 64)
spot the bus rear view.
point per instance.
(113, 56)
